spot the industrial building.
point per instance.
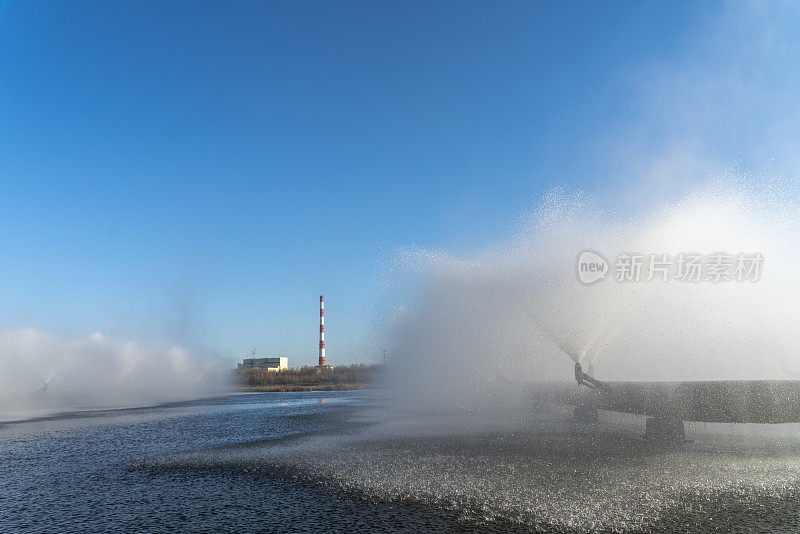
(270, 364)
(280, 364)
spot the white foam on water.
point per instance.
(539, 472)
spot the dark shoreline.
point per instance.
(300, 388)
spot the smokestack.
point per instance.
(321, 330)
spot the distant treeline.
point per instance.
(347, 375)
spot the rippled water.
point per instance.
(346, 461)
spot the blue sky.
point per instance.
(199, 172)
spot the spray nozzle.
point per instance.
(585, 380)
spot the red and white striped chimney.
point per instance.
(321, 330)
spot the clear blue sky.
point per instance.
(199, 172)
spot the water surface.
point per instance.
(344, 461)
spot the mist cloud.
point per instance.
(43, 371)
